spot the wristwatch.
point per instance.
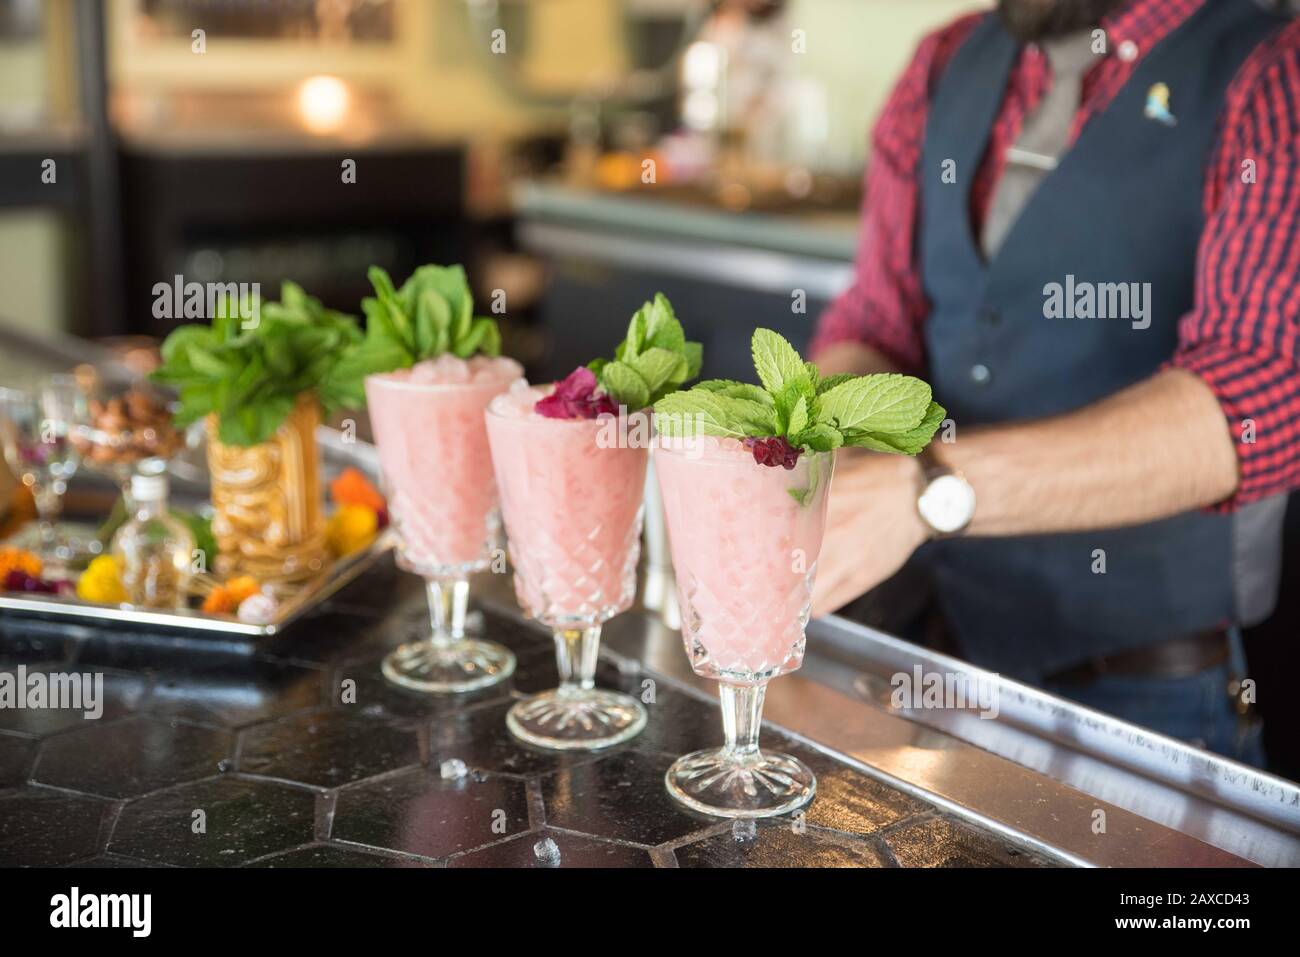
(946, 502)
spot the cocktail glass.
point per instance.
(571, 494)
(442, 502)
(744, 540)
(35, 418)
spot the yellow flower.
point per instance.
(16, 560)
(351, 529)
(102, 582)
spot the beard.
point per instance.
(1029, 20)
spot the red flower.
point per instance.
(576, 397)
(773, 452)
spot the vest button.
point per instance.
(990, 316)
(980, 374)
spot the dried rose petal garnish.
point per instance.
(576, 397)
(17, 580)
(773, 451)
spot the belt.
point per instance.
(1176, 658)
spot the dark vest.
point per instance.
(1123, 206)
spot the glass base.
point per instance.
(721, 783)
(569, 720)
(461, 666)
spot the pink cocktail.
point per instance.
(437, 471)
(745, 539)
(571, 495)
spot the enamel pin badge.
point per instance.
(1157, 107)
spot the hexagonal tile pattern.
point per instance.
(331, 855)
(856, 804)
(16, 756)
(326, 749)
(774, 844)
(44, 828)
(121, 694)
(132, 756)
(256, 736)
(241, 819)
(417, 812)
(232, 691)
(679, 723)
(571, 850)
(942, 841)
(32, 642)
(621, 797)
(480, 738)
(361, 686)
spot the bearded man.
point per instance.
(1080, 224)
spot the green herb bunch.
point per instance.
(251, 373)
(431, 314)
(653, 360)
(887, 413)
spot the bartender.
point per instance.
(1082, 226)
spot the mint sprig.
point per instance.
(431, 314)
(887, 413)
(653, 361)
(251, 374)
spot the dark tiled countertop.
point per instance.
(300, 754)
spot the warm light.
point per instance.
(323, 103)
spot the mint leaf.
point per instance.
(662, 370)
(876, 403)
(655, 351)
(776, 362)
(694, 353)
(804, 496)
(695, 412)
(737, 390)
(622, 383)
(483, 338)
(798, 420)
(818, 437)
(662, 330)
(830, 382)
(890, 413)
(251, 378)
(909, 442)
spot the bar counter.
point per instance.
(291, 769)
(299, 753)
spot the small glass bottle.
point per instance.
(155, 549)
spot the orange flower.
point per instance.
(218, 602)
(241, 587)
(225, 599)
(353, 488)
(15, 559)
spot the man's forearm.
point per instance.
(852, 357)
(1156, 449)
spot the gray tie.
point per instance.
(1043, 138)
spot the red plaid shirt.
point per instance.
(1243, 334)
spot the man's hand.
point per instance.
(1156, 449)
(872, 526)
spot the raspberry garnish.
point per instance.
(773, 451)
(576, 397)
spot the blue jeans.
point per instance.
(1196, 709)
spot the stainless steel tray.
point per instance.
(309, 594)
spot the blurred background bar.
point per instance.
(573, 153)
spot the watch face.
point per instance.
(947, 504)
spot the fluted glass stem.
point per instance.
(742, 717)
(576, 651)
(448, 604)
